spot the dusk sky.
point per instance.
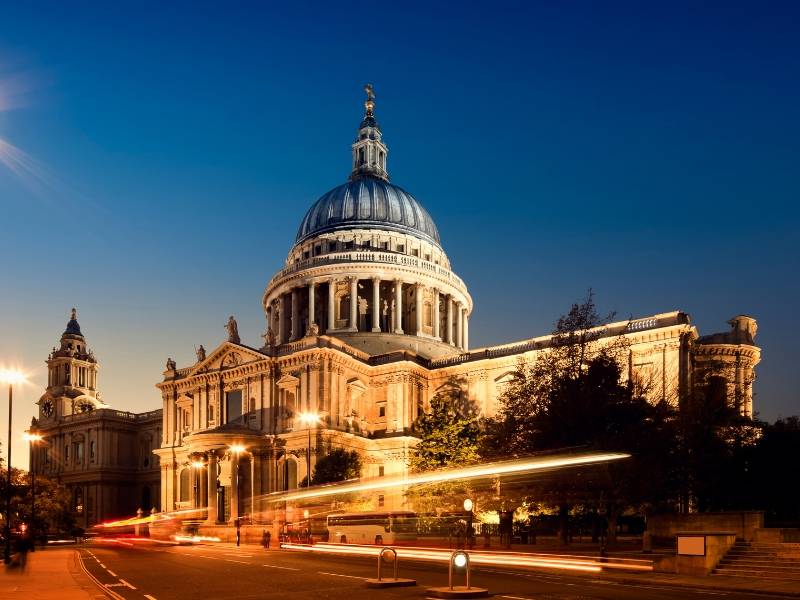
(156, 160)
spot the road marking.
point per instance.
(238, 554)
(277, 567)
(102, 565)
(125, 583)
(241, 562)
(110, 572)
(516, 597)
(340, 575)
(149, 597)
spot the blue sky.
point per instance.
(165, 153)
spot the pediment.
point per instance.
(226, 356)
(288, 382)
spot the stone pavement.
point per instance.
(51, 574)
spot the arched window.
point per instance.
(184, 485)
(427, 314)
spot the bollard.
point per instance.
(458, 559)
(393, 582)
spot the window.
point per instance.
(366, 245)
(428, 257)
(380, 471)
(381, 500)
(401, 247)
(305, 255)
(317, 249)
(233, 402)
(384, 245)
(210, 412)
(415, 252)
(348, 245)
(331, 246)
(79, 452)
(66, 453)
(46, 455)
(381, 411)
(91, 450)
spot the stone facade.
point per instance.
(104, 456)
(365, 323)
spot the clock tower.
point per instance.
(71, 376)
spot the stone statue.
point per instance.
(233, 330)
(370, 91)
(313, 330)
(74, 314)
(171, 366)
(201, 353)
(269, 337)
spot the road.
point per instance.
(216, 572)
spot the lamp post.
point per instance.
(33, 438)
(308, 419)
(237, 449)
(468, 506)
(10, 377)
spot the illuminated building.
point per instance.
(366, 322)
(102, 455)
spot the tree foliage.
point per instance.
(337, 465)
(448, 433)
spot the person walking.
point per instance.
(265, 539)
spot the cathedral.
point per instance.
(365, 323)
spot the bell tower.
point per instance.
(369, 152)
(71, 376)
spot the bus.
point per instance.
(372, 527)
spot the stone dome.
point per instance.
(368, 203)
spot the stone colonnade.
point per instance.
(283, 313)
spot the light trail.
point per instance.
(511, 467)
(581, 564)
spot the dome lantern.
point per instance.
(369, 152)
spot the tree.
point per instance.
(573, 395)
(448, 433)
(337, 465)
(52, 502)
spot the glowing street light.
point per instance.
(9, 376)
(237, 449)
(32, 439)
(308, 419)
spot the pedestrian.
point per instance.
(265, 539)
(23, 545)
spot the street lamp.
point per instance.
(237, 449)
(33, 438)
(308, 419)
(197, 466)
(10, 377)
(468, 506)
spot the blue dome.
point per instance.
(369, 203)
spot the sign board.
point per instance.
(691, 545)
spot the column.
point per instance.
(331, 304)
(255, 484)
(354, 303)
(281, 328)
(311, 299)
(418, 302)
(466, 330)
(295, 316)
(212, 488)
(269, 320)
(449, 332)
(459, 326)
(436, 332)
(234, 487)
(376, 304)
(398, 306)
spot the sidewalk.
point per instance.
(51, 574)
(710, 582)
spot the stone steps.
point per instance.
(764, 561)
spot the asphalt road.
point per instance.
(217, 572)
